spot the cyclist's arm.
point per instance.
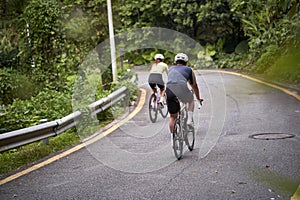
(166, 68)
(195, 86)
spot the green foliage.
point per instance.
(210, 49)
(59, 39)
(12, 8)
(136, 14)
(8, 40)
(44, 31)
(84, 22)
(49, 105)
(260, 20)
(286, 67)
(281, 183)
(206, 21)
(242, 47)
(269, 25)
(14, 85)
(267, 59)
(144, 57)
(126, 80)
(8, 47)
(233, 61)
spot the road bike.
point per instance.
(183, 132)
(155, 106)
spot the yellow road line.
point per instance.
(257, 80)
(80, 146)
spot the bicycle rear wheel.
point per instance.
(152, 108)
(177, 139)
(190, 137)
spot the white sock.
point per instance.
(161, 100)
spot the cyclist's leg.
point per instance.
(171, 122)
(160, 83)
(190, 112)
(153, 87)
(186, 96)
(162, 91)
(152, 82)
(191, 106)
(173, 107)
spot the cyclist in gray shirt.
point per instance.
(177, 88)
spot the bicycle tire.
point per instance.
(164, 110)
(152, 108)
(177, 139)
(189, 137)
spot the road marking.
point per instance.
(259, 81)
(80, 146)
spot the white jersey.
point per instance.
(159, 68)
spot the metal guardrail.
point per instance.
(45, 130)
(67, 122)
(108, 101)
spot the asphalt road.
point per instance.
(136, 161)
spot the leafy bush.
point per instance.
(88, 91)
(233, 61)
(143, 57)
(267, 59)
(286, 68)
(14, 85)
(117, 109)
(242, 47)
(48, 104)
(125, 80)
(8, 47)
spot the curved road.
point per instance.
(133, 158)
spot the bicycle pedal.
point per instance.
(161, 105)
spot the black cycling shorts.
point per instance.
(155, 79)
(175, 91)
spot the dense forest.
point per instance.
(43, 43)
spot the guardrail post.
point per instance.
(46, 140)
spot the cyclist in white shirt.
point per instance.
(155, 77)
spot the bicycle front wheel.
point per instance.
(152, 108)
(190, 137)
(177, 139)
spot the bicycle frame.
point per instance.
(182, 131)
(182, 115)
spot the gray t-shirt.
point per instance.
(180, 74)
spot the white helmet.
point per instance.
(159, 56)
(181, 56)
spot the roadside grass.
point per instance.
(281, 183)
(22, 156)
(286, 69)
(25, 155)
